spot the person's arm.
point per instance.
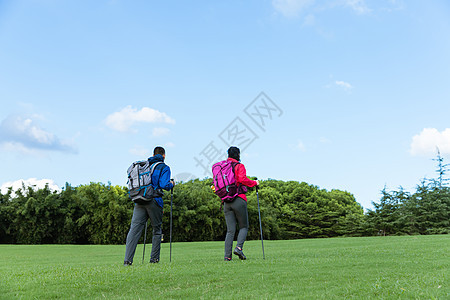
(164, 181)
(241, 176)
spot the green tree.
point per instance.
(106, 213)
(385, 215)
(5, 218)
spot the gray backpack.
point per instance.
(140, 188)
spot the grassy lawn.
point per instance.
(409, 267)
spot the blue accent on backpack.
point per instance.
(140, 188)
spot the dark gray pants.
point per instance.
(141, 214)
(235, 213)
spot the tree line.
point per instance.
(426, 211)
(99, 213)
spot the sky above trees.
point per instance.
(342, 94)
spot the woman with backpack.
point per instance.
(236, 210)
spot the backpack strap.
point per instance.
(241, 189)
(153, 168)
(233, 165)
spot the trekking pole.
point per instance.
(260, 224)
(171, 201)
(145, 238)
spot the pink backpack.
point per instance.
(225, 181)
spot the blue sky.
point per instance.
(355, 94)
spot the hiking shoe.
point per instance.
(238, 251)
(127, 263)
(227, 259)
(154, 260)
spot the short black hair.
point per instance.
(159, 150)
(234, 152)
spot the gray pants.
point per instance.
(141, 214)
(235, 213)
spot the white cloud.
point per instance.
(30, 182)
(359, 6)
(169, 145)
(394, 5)
(324, 140)
(345, 85)
(140, 151)
(17, 148)
(160, 131)
(425, 143)
(291, 8)
(24, 135)
(124, 119)
(310, 20)
(300, 146)
(340, 84)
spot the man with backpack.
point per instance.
(153, 208)
(230, 182)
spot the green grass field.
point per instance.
(409, 267)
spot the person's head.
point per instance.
(159, 150)
(234, 152)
